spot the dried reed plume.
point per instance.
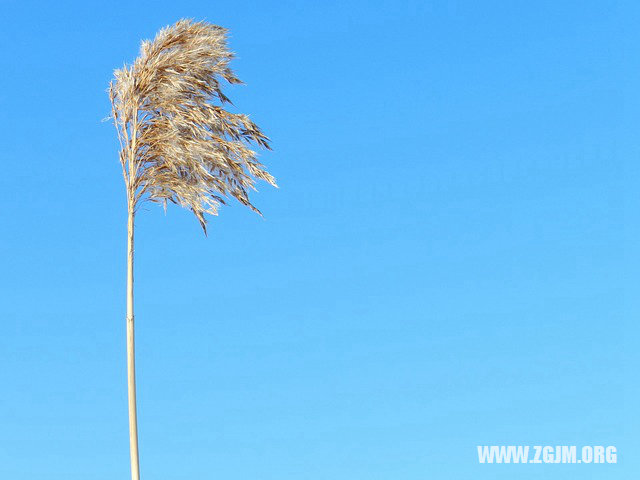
(177, 145)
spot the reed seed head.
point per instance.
(178, 143)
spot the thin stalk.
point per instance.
(131, 355)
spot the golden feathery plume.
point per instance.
(177, 145)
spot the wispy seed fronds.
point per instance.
(178, 143)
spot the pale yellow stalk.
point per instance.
(131, 355)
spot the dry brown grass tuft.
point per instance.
(177, 145)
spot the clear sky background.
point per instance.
(452, 258)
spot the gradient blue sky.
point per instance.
(452, 258)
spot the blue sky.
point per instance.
(452, 258)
